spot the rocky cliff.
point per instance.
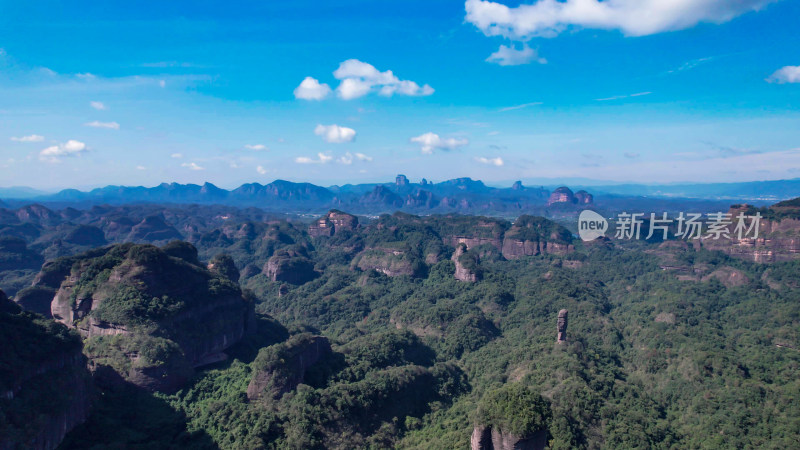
(45, 388)
(530, 236)
(467, 268)
(281, 367)
(512, 417)
(389, 260)
(778, 234)
(291, 265)
(149, 314)
(489, 438)
(333, 222)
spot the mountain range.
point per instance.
(463, 195)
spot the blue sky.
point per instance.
(650, 91)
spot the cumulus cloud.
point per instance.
(429, 142)
(348, 158)
(322, 159)
(311, 89)
(788, 74)
(261, 170)
(335, 134)
(510, 56)
(68, 149)
(100, 106)
(257, 147)
(176, 155)
(359, 78)
(98, 124)
(141, 168)
(192, 166)
(547, 18)
(498, 161)
(31, 138)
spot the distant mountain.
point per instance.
(751, 190)
(462, 195)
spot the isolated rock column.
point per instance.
(562, 326)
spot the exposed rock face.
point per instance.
(532, 236)
(472, 242)
(517, 186)
(584, 198)
(401, 181)
(466, 265)
(562, 326)
(481, 438)
(333, 222)
(389, 261)
(487, 438)
(148, 315)
(561, 195)
(291, 266)
(778, 239)
(281, 367)
(565, 196)
(45, 388)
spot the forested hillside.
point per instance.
(376, 334)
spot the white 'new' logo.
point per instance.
(591, 225)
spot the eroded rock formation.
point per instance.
(149, 314)
(281, 367)
(489, 438)
(562, 326)
(466, 265)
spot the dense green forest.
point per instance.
(651, 361)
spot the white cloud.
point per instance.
(510, 56)
(31, 138)
(257, 147)
(261, 170)
(348, 158)
(193, 166)
(100, 106)
(490, 161)
(176, 155)
(323, 159)
(788, 74)
(335, 134)
(98, 124)
(431, 141)
(68, 149)
(547, 18)
(311, 89)
(162, 83)
(618, 97)
(141, 168)
(511, 108)
(359, 79)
